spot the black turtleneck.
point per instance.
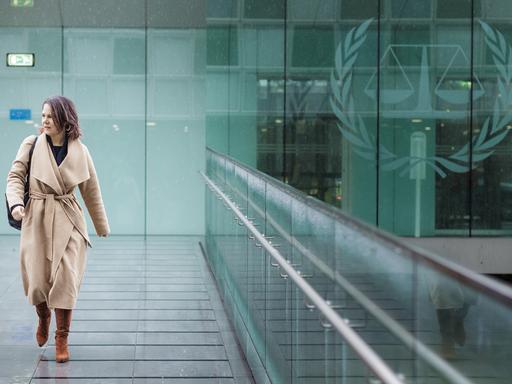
(59, 151)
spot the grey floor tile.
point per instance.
(192, 352)
(112, 296)
(154, 301)
(108, 304)
(112, 288)
(201, 295)
(174, 280)
(175, 288)
(101, 274)
(239, 368)
(91, 280)
(176, 304)
(19, 367)
(100, 339)
(113, 326)
(178, 326)
(172, 274)
(96, 352)
(21, 336)
(234, 352)
(194, 338)
(15, 380)
(229, 338)
(84, 369)
(209, 380)
(169, 314)
(105, 314)
(181, 369)
(81, 381)
(25, 312)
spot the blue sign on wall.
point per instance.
(20, 114)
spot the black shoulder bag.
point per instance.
(12, 221)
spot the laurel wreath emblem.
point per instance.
(352, 126)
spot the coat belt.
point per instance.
(49, 214)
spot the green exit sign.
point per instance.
(22, 3)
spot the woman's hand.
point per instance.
(18, 213)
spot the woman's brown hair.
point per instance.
(64, 116)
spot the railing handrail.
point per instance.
(372, 360)
(492, 288)
(414, 344)
(411, 342)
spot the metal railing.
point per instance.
(482, 284)
(365, 352)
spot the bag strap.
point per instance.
(30, 158)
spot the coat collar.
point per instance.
(72, 171)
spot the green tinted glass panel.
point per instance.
(264, 9)
(355, 9)
(125, 59)
(411, 8)
(454, 9)
(222, 45)
(312, 47)
(222, 8)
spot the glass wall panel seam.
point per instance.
(377, 154)
(145, 118)
(471, 105)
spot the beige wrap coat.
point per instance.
(54, 235)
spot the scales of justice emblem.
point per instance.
(454, 92)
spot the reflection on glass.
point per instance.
(419, 68)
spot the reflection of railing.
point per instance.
(367, 354)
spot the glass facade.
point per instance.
(135, 70)
(396, 111)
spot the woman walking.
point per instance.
(54, 236)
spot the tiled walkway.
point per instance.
(148, 312)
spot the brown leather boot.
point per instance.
(63, 318)
(45, 317)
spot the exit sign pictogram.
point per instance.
(22, 3)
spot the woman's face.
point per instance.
(47, 122)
